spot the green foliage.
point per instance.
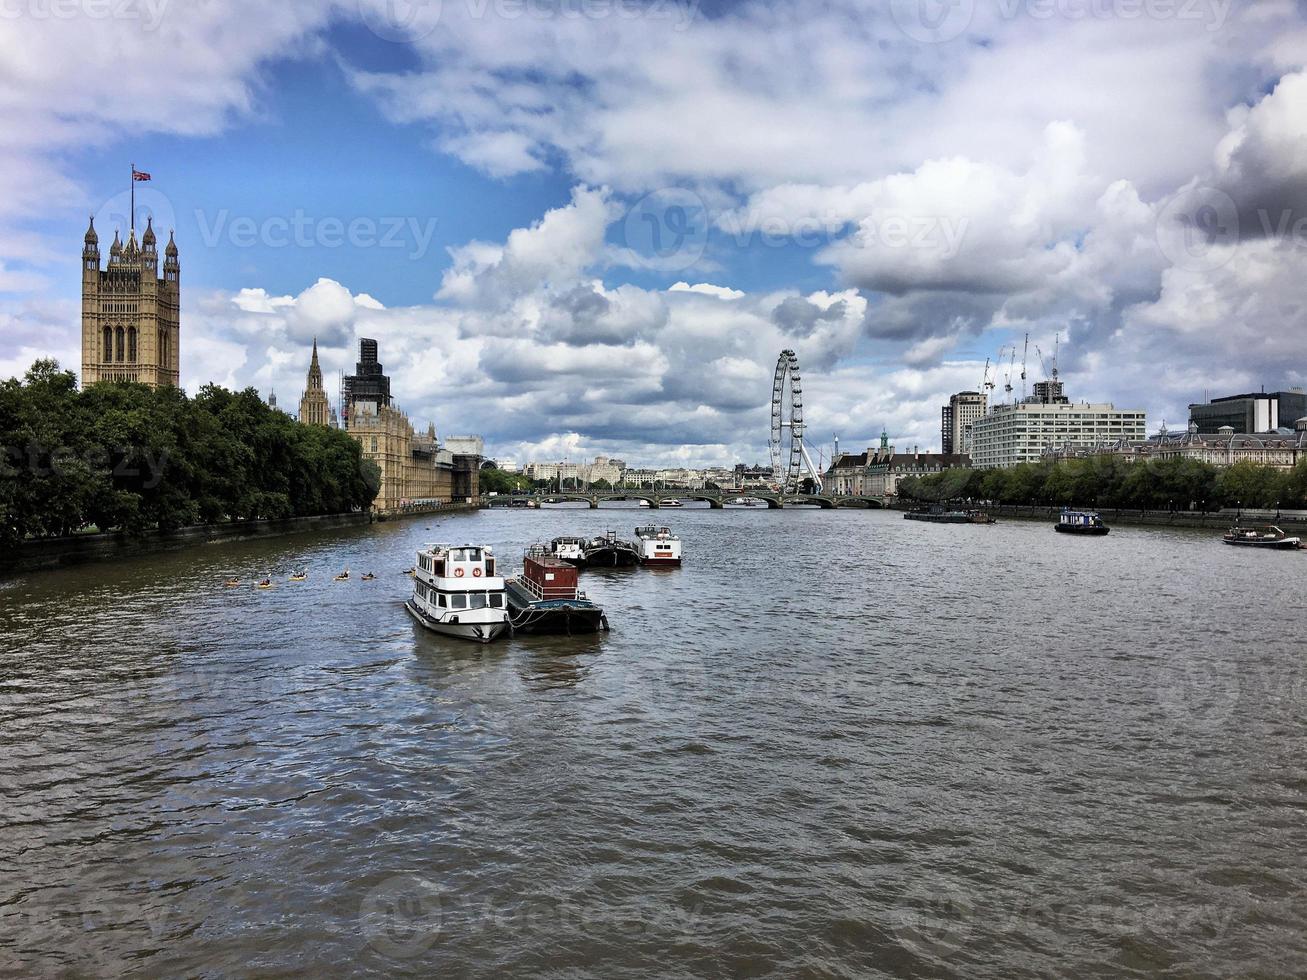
(1107, 481)
(495, 480)
(129, 457)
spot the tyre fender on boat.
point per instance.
(458, 573)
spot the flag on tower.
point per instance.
(139, 175)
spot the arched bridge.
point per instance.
(715, 498)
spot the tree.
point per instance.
(129, 457)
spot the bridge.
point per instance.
(715, 498)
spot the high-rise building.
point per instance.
(1259, 412)
(958, 416)
(1025, 431)
(314, 407)
(131, 318)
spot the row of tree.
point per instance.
(1108, 482)
(129, 457)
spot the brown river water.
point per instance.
(833, 744)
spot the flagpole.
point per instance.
(133, 218)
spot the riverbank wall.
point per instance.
(1295, 522)
(79, 548)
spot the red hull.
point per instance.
(671, 562)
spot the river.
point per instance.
(834, 743)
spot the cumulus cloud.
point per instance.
(914, 207)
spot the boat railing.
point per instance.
(545, 593)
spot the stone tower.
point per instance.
(131, 319)
(314, 407)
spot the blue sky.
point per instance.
(593, 233)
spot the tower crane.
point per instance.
(1025, 353)
(1007, 378)
(986, 385)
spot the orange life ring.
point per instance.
(458, 573)
(476, 573)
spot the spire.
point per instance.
(148, 238)
(171, 250)
(315, 371)
(117, 247)
(91, 237)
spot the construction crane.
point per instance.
(986, 385)
(1025, 354)
(1007, 378)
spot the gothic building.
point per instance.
(417, 473)
(314, 407)
(131, 318)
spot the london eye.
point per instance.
(789, 456)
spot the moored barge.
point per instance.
(1261, 536)
(545, 598)
(658, 546)
(938, 515)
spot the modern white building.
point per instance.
(1025, 431)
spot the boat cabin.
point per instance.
(470, 562)
(549, 578)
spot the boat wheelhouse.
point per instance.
(1261, 536)
(658, 546)
(457, 592)
(1081, 522)
(545, 598)
(569, 549)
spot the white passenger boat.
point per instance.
(658, 546)
(456, 592)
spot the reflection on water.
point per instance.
(833, 743)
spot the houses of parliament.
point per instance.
(131, 318)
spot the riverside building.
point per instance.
(957, 418)
(1252, 413)
(131, 317)
(417, 472)
(1025, 431)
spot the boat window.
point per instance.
(473, 554)
(441, 603)
(456, 554)
(476, 600)
(458, 601)
(496, 600)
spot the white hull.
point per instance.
(478, 632)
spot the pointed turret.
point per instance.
(148, 238)
(117, 247)
(171, 250)
(315, 370)
(314, 407)
(91, 237)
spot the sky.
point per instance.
(582, 227)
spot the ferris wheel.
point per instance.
(789, 457)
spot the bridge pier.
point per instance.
(594, 503)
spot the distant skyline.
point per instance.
(588, 229)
